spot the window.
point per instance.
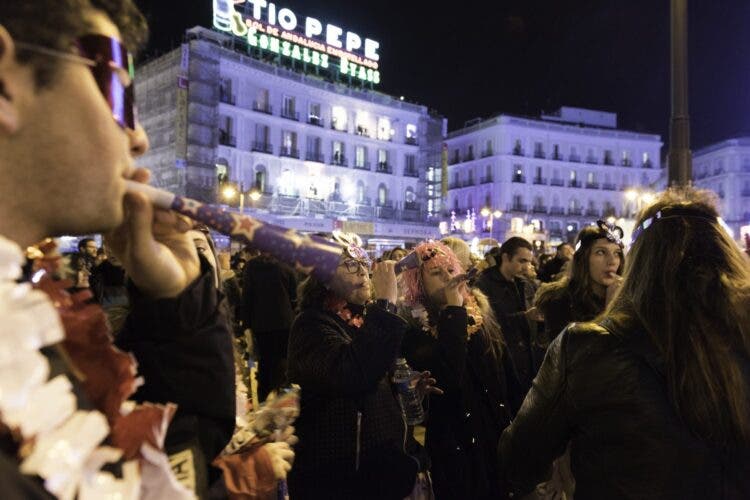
(471, 176)
(517, 200)
(260, 178)
(590, 178)
(289, 106)
(556, 151)
(261, 136)
(225, 91)
(410, 163)
(360, 192)
(360, 156)
(411, 131)
(363, 124)
(289, 139)
(261, 101)
(382, 195)
(338, 118)
(314, 145)
(384, 129)
(573, 175)
(382, 157)
(409, 196)
(337, 151)
(314, 110)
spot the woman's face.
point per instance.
(434, 280)
(398, 254)
(204, 249)
(604, 260)
(352, 280)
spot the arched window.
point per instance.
(382, 195)
(360, 192)
(261, 179)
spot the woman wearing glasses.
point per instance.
(654, 398)
(594, 275)
(350, 429)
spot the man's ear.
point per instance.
(8, 83)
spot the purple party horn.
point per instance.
(409, 262)
(308, 254)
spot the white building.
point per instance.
(548, 176)
(724, 168)
(306, 152)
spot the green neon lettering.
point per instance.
(344, 66)
(376, 77)
(263, 41)
(316, 58)
(286, 48)
(252, 37)
(362, 75)
(275, 45)
(296, 54)
(323, 60)
(306, 55)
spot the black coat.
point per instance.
(561, 310)
(269, 294)
(508, 301)
(351, 432)
(184, 351)
(464, 424)
(602, 391)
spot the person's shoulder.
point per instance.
(580, 342)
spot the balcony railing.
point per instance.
(454, 160)
(574, 158)
(556, 182)
(468, 156)
(486, 179)
(574, 184)
(362, 165)
(592, 212)
(315, 156)
(592, 185)
(575, 211)
(455, 185)
(289, 152)
(469, 182)
(263, 107)
(411, 140)
(557, 211)
(384, 168)
(646, 164)
(290, 114)
(519, 178)
(626, 162)
(557, 156)
(362, 131)
(315, 120)
(337, 128)
(609, 187)
(227, 140)
(262, 147)
(339, 160)
(539, 209)
(540, 181)
(411, 172)
(518, 152)
(486, 153)
(539, 154)
(592, 159)
(227, 98)
(608, 161)
(518, 207)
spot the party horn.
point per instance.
(409, 262)
(308, 254)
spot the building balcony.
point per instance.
(411, 172)
(290, 114)
(486, 179)
(592, 160)
(540, 181)
(575, 211)
(384, 168)
(362, 131)
(609, 187)
(263, 107)
(315, 156)
(315, 120)
(574, 158)
(455, 185)
(518, 207)
(556, 182)
(411, 141)
(454, 160)
(557, 211)
(626, 162)
(517, 152)
(262, 147)
(338, 160)
(385, 212)
(539, 154)
(227, 140)
(362, 165)
(557, 156)
(608, 161)
(227, 98)
(337, 128)
(592, 185)
(468, 156)
(487, 153)
(539, 209)
(289, 152)
(592, 212)
(519, 178)
(469, 183)
(574, 184)
(647, 164)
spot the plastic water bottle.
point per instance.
(405, 380)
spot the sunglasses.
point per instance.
(112, 67)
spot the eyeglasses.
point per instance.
(112, 67)
(353, 265)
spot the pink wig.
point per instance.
(431, 254)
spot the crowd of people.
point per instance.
(125, 369)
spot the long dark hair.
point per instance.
(687, 284)
(578, 284)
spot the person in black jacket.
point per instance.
(654, 398)
(456, 337)
(268, 300)
(594, 276)
(551, 269)
(505, 288)
(351, 432)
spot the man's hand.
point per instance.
(384, 281)
(426, 385)
(153, 246)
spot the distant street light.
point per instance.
(488, 212)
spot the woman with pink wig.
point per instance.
(454, 334)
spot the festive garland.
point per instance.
(429, 324)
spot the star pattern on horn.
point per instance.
(246, 226)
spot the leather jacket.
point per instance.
(604, 392)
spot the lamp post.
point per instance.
(231, 191)
(639, 199)
(492, 214)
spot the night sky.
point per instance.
(528, 56)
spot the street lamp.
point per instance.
(639, 199)
(230, 191)
(488, 212)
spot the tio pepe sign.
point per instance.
(308, 40)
